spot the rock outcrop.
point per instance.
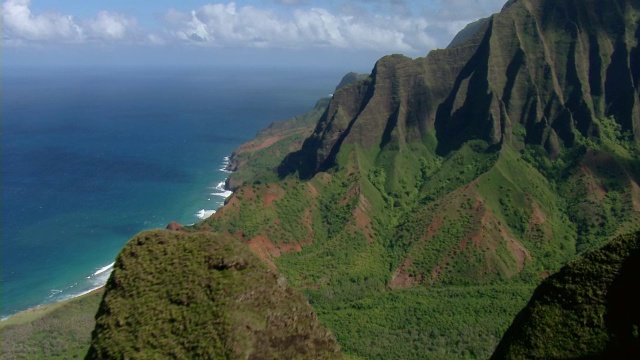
(203, 296)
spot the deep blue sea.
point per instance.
(91, 157)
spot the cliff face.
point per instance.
(516, 121)
(257, 159)
(395, 105)
(554, 68)
(551, 68)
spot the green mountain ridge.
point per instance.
(260, 156)
(491, 163)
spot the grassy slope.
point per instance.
(256, 160)
(56, 331)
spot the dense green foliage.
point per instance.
(419, 323)
(64, 332)
(587, 310)
(202, 295)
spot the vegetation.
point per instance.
(57, 331)
(255, 161)
(419, 323)
(202, 295)
(587, 310)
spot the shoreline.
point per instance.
(38, 312)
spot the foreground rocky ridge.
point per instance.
(198, 295)
(587, 310)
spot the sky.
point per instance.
(244, 32)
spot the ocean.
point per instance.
(92, 156)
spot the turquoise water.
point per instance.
(89, 158)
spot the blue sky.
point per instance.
(278, 32)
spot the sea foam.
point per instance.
(221, 191)
(203, 214)
(103, 269)
(225, 165)
(94, 281)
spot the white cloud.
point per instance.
(18, 20)
(230, 25)
(409, 26)
(20, 25)
(108, 25)
(466, 10)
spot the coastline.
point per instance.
(207, 172)
(37, 312)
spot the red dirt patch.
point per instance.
(270, 197)
(402, 279)
(175, 226)
(538, 229)
(592, 183)
(363, 221)
(537, 216)
(307, 221)
(350, 195)
(256, 145)
(516, 249)
(247, 193)
(265, 249)
(312, 190)
(519, 253)
(289, 247)
(274, 192)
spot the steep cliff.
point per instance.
(257, 160)
(550, 69)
